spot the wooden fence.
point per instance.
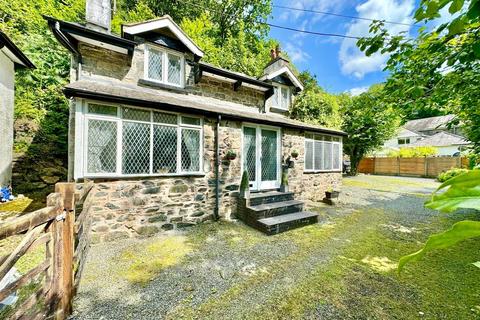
(61, 228)
(420, 167)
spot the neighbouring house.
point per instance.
(428, 132)
(11, 59)
(166, 136)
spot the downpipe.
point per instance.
(216, 213)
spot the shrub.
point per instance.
(412, 152)
(446, 175)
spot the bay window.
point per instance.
(322, 153)
(164, 66)
(125, 141)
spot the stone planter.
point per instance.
(332, 194)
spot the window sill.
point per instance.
(146, 176)
(277, 109)
(159, 85)
(322, 171)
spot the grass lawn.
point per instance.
(342, 268)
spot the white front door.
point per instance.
(261, 156)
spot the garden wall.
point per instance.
(422, 166)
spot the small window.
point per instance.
(404, 141)
(281, 97)
(161, 117)
(165, 67)
(136, 114)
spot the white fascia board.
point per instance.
(100, 44)
(289, 73)
(10, 55)
(164, 23)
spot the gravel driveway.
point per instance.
(344, 267)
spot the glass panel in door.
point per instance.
(250, 154)
(269, 159)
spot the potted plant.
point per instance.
(284, 183)
(230, 155)
(294, 154)
(331, 194)
(245, 186)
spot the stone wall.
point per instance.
(307, 186)
(104, 64)
(140, 207)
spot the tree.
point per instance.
(314, 105)
(439, 70)
(368, 122)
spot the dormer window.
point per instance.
(282, 97)
(164, 66)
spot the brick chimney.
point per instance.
(99, 15)
(277, 61)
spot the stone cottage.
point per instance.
(166, 136)
(11, 59)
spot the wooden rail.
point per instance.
(421, 167)
(62, 229)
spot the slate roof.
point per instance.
(14, 53)
(405, 133)
(441, 139)
(118, 92)
(432, 123)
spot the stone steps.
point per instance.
(273, 212)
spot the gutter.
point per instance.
(216, 212)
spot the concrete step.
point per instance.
(267, 210)
(270, 197)
(282, 223)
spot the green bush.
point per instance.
(414, 152)
(446, 175)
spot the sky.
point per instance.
(338, 64)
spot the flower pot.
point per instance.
(332, 194)
(283, 188)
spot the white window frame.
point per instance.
(165, 52)
(319, 138)
(406, 141)
(279, 96)
(82, 149)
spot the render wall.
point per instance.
(7, 80)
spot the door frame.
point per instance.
(257, 185)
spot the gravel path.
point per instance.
(234, 272)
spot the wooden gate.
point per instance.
(60, 233)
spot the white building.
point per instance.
(11, 59)
(433, 132)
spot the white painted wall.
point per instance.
(447, 151)
(7, 79)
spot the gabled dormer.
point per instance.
(286, 84)
(166, 48)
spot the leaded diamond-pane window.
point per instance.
(102, 146)
(190, 148)
(147, 143)
(164, 149)
(136, 114)
(269, 155)
(161, 117)
(155, 64)
(174, 69)
(275, 97)
(285, 98)
(136, 148)
(102, 109)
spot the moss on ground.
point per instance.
(360, 280)
(144, 261)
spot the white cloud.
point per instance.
(357, 91)
(352, 60)
(310, 17)
(296, 52)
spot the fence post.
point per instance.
(374, 165)
(64, 242)
(426, 166)
(398, 166)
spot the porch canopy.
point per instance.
(181, 101)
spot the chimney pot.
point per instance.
(278, 51)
